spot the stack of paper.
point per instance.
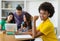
(23, 36)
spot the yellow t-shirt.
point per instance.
(47, 29)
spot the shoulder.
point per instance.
(49, 24)
(14, 13)
(2, 21)
(24, 12)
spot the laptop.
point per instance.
(10, 28)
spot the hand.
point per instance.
(0, 27)
(9, 18)
(20, 29)
(35, 18)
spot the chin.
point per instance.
(41, 19)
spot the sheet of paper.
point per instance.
(58, 37)
(23, 36)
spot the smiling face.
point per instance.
(44, 15)
(10, 17)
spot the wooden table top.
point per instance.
(5, 37)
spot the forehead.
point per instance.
(43, 11)
(10, 15)
(18, 10)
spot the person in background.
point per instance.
(27, 23)
(9, 19)
(46, 28)
(19, 16)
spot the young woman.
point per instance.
(27, 23)
(46, 28)
(9, 19)
(26, 26)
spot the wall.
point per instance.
(0, 9)
(58, 17)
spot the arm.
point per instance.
(36, 33)
(29, 30)
(1, 23)
(0, 26)
(27, 33)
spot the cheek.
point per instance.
(24, 19)
(45, 16)
(11, 18)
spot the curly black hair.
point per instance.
(47, 7)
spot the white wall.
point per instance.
(58, 17)
(0, 9)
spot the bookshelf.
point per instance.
(10, 6)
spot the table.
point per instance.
(5, 37)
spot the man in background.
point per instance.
(19, 16)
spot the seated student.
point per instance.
(27, 23)
(46, 28)
(9, 19)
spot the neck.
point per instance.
(45, 19)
